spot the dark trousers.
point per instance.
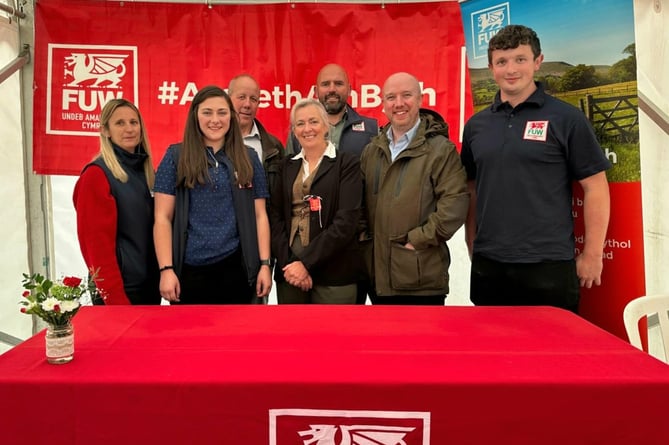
(549, 283)
(409, 300)
(363, 288)
(147, 294)
(220, 283)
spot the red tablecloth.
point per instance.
(326, 375)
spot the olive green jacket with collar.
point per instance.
(420, 198)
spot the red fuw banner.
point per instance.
(159, 55)
(623, 274)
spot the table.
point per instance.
(325, 375)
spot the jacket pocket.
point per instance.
(416, 269)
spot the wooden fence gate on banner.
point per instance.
(615, 116)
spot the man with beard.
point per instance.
(349, 131)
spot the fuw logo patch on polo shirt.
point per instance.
(536, 131)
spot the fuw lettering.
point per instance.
(88, 100)
(484, 37)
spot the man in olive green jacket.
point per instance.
(416, 198)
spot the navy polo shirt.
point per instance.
(524, 160)
(212, 225)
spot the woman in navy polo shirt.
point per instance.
(211, 228)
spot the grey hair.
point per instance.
(303, 103)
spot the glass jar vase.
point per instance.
(59, 343)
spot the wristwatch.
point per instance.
(265, 263)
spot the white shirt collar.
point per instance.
(254, 131)
(330, 152)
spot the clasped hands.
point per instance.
(297, 275)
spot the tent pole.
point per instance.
(12, 10)
(16, 64)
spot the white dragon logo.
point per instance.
(356, 435)
(106, 69)
(491, 20)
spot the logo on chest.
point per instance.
(358, 127)
(536, 131)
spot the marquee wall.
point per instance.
(13, 215)
(652, 35)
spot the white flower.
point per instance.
(69, 305)
(49, 303)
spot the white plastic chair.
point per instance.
(643, 307)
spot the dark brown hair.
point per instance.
(512, 36)
(193, 161)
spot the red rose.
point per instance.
(26, 294)
(23, 310)
(56, 308)
(71, 281)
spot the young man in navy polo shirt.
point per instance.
(521, 155)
